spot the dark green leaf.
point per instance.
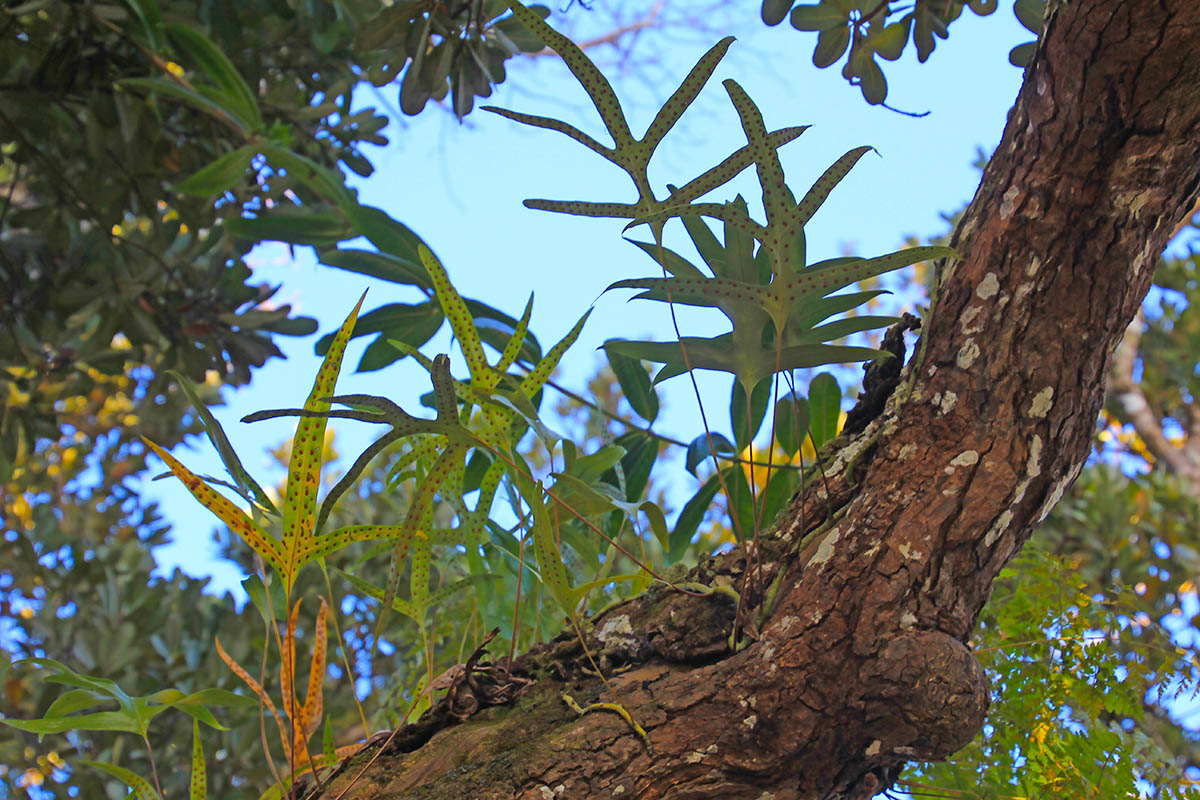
(635, 384)
(871, 80)
(214, 103)
(700, 449)
(831, 44)
(1021, 55)
(671, 261)
(773, 11)
(741, 503)
(392, 237)
(791, 423)
(589, 468)
(220, 71)
(303, 227)
(393, 269)
(842, 327)
(119, 721)
(822, 17)
(1031, 14)
(690, 518)
(825, 408)
(148, 14)
(780, 488)
(218, 176)
(922, 33)
(707, 244)
(641, 451)
(579, 497)
(328, 183)
(408, 323)
(746, 425)
(889, 40)
(658, 523)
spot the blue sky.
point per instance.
(460, 186)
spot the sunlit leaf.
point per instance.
(140, 786)
(198, 788)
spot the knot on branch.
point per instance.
(477, 684)
(928, 695)
(881, 377)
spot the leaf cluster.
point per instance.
(867, 30)
(107, 219)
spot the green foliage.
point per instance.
(773, 298)
(117, 189)
(1071, 671)
(1172, 338)
(488, 478)
(133, 715)
(869, 29)
(298, 543)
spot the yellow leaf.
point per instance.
(226, 511)
(254, 687)
(310, 713)
(304, 467)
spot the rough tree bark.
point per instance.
(860, 663)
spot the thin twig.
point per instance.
(648, 20)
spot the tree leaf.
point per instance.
(825, 408)
(213, 103)
(119, 721)
(149, 15)
(319, 229)
(385, 266)
(823, 16)
(700, 449)
(220, 71)
(75, 700)
(391, 236)
(889, 40)
(690, 517)
(774, 11)
(328, 183)
(746, 426)
(791, 423)
(831, 44)
(740, 503)
(140, 786)
(1031, 14)
(671, 261)
(658, 523)
(635, 384)
(198, 786)
(1022, 54)
(873, 83)
(216, 435)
